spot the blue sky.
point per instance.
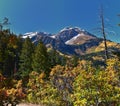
(53, 15)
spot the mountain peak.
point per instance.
(29, 34)
(71, 28)
(70, 40)
(34, 34)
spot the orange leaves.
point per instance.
(42, 75)
(12, 41)
(10, 94)
(36, 78)
(15, 94)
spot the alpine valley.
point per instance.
(73, 41)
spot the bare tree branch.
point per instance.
(103, 32)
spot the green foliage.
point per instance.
(3, 46)
(69, 82)
(117, 54)
(97, 87)
(8, 48)
(83, 85)
(54, 58)
(26, 57)
(74, 60)
(62, 79)
(40, 91)
(40, 59)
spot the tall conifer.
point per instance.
(40, 59)
(26, 57)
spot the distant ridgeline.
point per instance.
(73, 41)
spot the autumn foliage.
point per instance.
(43, 79)
(11, 91)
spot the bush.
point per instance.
(10, 94)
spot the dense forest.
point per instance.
(34, 74)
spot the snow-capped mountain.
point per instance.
(34, 34)
(30, 34)
(80, 39)
(68, 33)
(69, 40)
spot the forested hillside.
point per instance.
(35, 74)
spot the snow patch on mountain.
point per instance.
(74, 38)
(30, 35)
(71, 28)
(65, 29)
(53, 36)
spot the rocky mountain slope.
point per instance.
(71, 41)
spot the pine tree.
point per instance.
(8, 48)
(74, 60)
(40, 59)
(26, 57)
(63, 60)
(54, 58)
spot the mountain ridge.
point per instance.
(70, 40)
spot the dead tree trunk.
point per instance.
(104, 34)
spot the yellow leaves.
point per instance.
(111, 74)
(19, 84)
(29, 90)
(12, 94)
(99, 58)
(12, 91)
(113, 64)
(82, 102)
(36, 79)
(41, 81)
(109, 44)
(57, 70)
(15, 46)
(42, 75)
(41, 91)
(38, 94)
(33, 74)
(30, 97)
(16, 92)
(93, 84)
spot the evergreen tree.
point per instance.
(54, 58)
(3, 46)
(74, 60)
(8, 48)
(40, 59)
(26, 57)
(18, 52)
(63, 60)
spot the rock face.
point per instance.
(68, 40)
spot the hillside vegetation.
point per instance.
(33, 74)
